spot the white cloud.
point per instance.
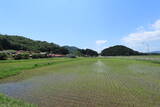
(140, 37)
(100, 42)
(143, 36)
(140, 29)
(156, 25)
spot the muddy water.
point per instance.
(53, 86)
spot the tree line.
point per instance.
(8, 42)
(12, 42)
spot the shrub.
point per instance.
(35, 65)
(43, 56)
(71, 56)
(3, 56)
(21, 56)
(25, 56)
(35, 56)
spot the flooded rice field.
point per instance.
(88, 83)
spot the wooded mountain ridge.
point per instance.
(11, 42)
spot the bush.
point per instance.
(43, 56)
(21, 56)
(36, 56)
(72, 56)
(3, 56)
(26, 56)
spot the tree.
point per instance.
(36, 56)
(63, 51)
(21, 43)
(21, 56)
(73, 50)
(3, 56)
(1, 48)
(88, 52)
(4, 43)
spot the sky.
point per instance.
(95, 24)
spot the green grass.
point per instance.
(85, 82)
(10, 102)
(13, 67)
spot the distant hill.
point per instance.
(12, 42)
(119, 50)
(81, 52)
(23, 43)
(73, 50)
(155, 52)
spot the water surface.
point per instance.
(91, 83)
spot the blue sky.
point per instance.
(95, 24)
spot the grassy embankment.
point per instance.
(13, 67)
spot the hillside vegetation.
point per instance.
(21, 43)
(119, 50)
(73, 50)
(11, 42)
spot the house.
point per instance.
(20, 52)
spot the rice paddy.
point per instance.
(86, 82)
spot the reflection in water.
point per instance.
(99, 66)
(38, 89)
(87, 84)
(51, 88)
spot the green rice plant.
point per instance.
(13, 67)
(92, 82)
(10, 102)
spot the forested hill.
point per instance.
(74, 50)
(119, 50)
(11, 42)
(22, 43)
